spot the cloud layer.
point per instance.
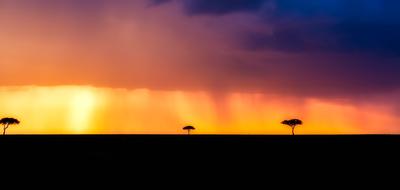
(318, 48)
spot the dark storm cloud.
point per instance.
(158, 2)
(368, 26)
(219, 7)
(331, 47)
(356, 26)
(371, 38)
(215, 7)
(363, 32)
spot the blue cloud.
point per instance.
(159, 2)
(350, 37)
(354, 10)
(369, 26)
(220, 7)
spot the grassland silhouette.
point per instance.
(292, 123)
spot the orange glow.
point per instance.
(90, 110)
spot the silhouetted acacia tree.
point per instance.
(189, 128)
(292, 123)
(6, 122)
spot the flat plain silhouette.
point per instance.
(189, 128)
(292, 123)
(6, 122)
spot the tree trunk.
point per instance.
(292, 130)
(189, 132)
(4, 129)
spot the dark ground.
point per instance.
(202, 157)
(215, 148)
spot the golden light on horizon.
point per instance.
(81, 110)
(90, 110)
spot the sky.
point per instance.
(224, 66)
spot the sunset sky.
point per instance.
(223, 66)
